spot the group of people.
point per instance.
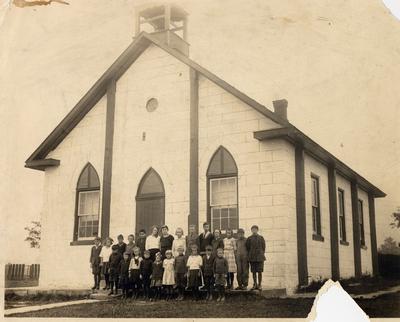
(160, 263)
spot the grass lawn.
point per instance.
(234, 307)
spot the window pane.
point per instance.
(229, 165)
(88, 178)
(223, 192)
(233, 219)
(215, 218)
(93, 178)
(152, 184)
(84, 178)
(215, 164)
(314, 219)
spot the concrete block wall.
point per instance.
(346, 252)
(85, 143)
(165, 146)
(366, 256)
(265, 190)
(318, 252)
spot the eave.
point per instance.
(295, 136)
(42, 164)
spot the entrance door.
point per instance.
(150, 202)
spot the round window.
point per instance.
(151, 104)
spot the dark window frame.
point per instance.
(221, 175)
(76, 240)
(316, 209)
(342, 216)
(360, 213)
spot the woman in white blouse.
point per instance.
(153, 243)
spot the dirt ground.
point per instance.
(237, 307)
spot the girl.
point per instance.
(104, 261)
(134, 272)
(153, 243)
(217, 242)
(194, 264)
(157, 276)
(169, 274)
(166, 240)
(230, 256)
(179, 242)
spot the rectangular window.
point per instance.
(361, 222)
(223, 202)
(88, 214)
(342, 220)
(315, 202)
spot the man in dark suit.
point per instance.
(255, 245)
(95, 262)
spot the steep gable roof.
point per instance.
(37, 160)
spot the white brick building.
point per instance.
(159, 139)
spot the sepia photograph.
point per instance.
(199, 159)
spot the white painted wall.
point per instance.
(318, 252)
(63, 265)
(265, 176)
(166, 147)
(346, 252)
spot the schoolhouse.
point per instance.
(160, 139)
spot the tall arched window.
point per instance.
(222, 191)
(87, 204)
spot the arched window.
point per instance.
(222, 191)
(87, 204)
(150, 201)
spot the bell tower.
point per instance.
(166, 22)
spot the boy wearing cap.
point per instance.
(114, 263)
(242, 261)
(141, 241)
(95, 262)
(255, 245)
(208, 271)
(180, 272)
(146, 266)
(124, 274)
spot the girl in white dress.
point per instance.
(168, 280)
(230, 256)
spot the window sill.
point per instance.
(364, 247)
(344, 243)
(317, 237)
(81, 242)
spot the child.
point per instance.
(104, 261)
(242, 261)
(220, 271)
(121, 244)
(146, 266)
(114, 262)
(157, 276)
(255, 245)
(180, 271)
(217, 241)
(134, 272)
(130, 245)
(124, 275)
(194, 264)
(230, 256)
(166, 240)
(153, 243)
(169, 274)
(191, 239)
(141, 241)
(208, 271)
(95, 262)
(205, 238)
(179, 242)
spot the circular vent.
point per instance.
(151, 105)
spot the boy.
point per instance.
(114, 263)
(124, 274)
(208, 271)
(220, 268)
(141, 241)
(121, 245)
(145, 271)
(205, 238)
(191, 239)
(130, 245)
(180, 272)
(95, 262)
(242, 261)
(255, 245)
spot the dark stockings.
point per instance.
(229, 279)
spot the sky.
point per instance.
(335, 62)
